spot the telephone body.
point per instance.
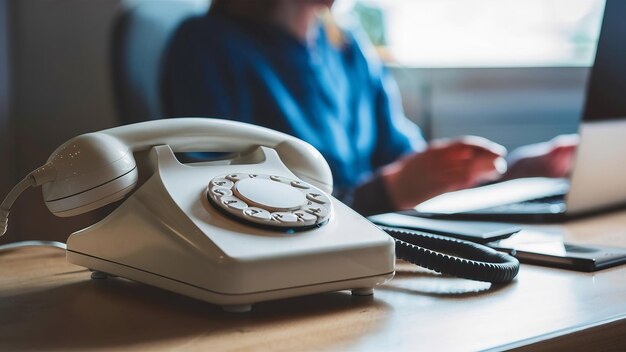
(231, 232)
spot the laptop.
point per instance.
(598, 177)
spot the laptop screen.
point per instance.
(607, 83)
(597, 179)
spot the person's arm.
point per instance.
(396, 135)
(445, 166)
(372, 197)
(408, 171)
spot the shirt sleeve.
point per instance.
(397, 135)
(371, 197)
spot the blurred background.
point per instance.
(513, 71)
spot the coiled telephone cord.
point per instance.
(454, 257)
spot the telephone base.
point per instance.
(239, 302)
(168, 234)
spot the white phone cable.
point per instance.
(37, 177)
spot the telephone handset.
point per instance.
(98, 168)
(261, 225)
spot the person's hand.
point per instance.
(446, 165)
(548, 159)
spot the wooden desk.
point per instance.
(48, 304)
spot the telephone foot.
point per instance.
(237, 308)
(363, 291)
(99, 275)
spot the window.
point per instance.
(481, 33)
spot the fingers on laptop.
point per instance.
(446, 165)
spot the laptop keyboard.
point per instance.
(547, 205)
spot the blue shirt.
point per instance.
(340, 100)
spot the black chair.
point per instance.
(141, 33)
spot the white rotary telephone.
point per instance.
(258, 226)
(261, 225)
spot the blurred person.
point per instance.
(279, 64)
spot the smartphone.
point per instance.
(532, 248)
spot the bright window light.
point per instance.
(481, 33)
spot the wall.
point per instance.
(61, 88)
(7, 159)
